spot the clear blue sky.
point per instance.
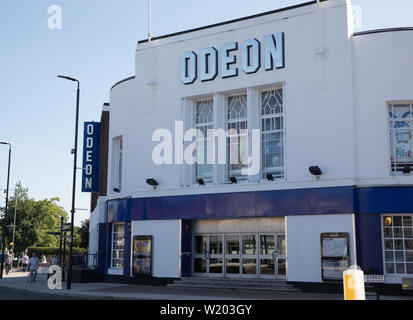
(96, 44)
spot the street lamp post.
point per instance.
(3, 235)
(69, 273)
(14, 223)
(15, 211)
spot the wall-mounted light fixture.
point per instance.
(315, 170)
(152, 182)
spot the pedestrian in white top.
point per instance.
(33, 266)
(25, 262)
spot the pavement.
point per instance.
(16, 280)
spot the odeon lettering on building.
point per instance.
(335, 114)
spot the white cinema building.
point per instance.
(334, 186)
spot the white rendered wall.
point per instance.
(383, 74)
(166, 245)
(304, 247)
(93, 237)
(97, 216)
(318, 100)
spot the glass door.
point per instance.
(239, 255)
(272, 260)
(268, 256)
(281, 257)
(232, 255)
(215, 257)
(249, 255)
(208, 255)
(199, 255)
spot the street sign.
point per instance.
(64, 225)
(374, 278)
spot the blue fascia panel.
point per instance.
(118, 210)
(333, 200)
(241, 204)
(386, 200)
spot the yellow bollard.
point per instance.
(353, 279)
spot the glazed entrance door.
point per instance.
(255, 255)
(249, 256)
(208, 255)
(232, 255)
(272, 256)
(199, 264)
(215, 259)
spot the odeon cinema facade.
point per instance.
(333, 187)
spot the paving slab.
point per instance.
(17, 280)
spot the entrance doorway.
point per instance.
(239, 255)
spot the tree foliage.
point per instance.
(83, 233)
(33, 220)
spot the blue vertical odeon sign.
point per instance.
(91, 157)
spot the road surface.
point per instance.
(10, 294)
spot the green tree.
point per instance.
(84, 234)
(33, 220)
(49, 213)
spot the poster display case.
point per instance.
(335, 255)
(142, 255)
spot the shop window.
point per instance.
(118, 245)
(398, 244)
(204, 122)
(272, 129)
(117, 160)
(237, 142)
(401, 127)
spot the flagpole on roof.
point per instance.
(149, 21)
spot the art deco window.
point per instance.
(237, 142)
(118, 245)
(117, 159)
(398, 244)
(401, 128)
(204, 121)
(272, 129)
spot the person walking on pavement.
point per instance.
(43, 259)
(25, 262)
(53, 261)
(33, 266)
(7, 261)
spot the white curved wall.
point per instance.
(335, 104)
(383, 73)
